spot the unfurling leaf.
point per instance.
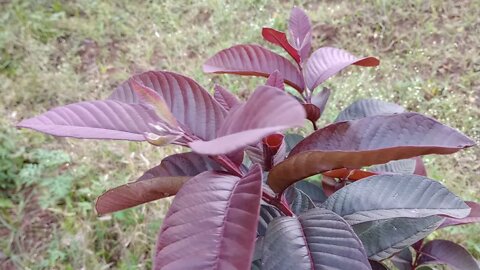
(280, 39)
(396, 195)
(300, 30)
(267, 111)
(317, 239)
(365, 142)
(250, 59)
(225, 234)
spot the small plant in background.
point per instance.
(243, 196)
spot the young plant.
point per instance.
(237, 211)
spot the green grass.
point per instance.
(58, 52)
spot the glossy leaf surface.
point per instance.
(139, 192)
(225, 98)
(327, 61)
(395, 196)
(158, 182)
(383, 238)
(473, 217)
(267, 111)
(368, 107)
(225, 235)
(317, 239)
(364, 142)
(189, 103)
(250, 59)
(95, 120)
(183, 164)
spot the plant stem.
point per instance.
(228, 164)
(275, 201)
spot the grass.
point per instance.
(58, 52)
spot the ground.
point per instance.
(58, 52)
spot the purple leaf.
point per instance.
(95, 120)
(473, 217)
(139, 192)
(320, 99)
(416, 197)
(327, 61)
(403, 260)
(267, 111)
(300, 29)
(384, 238)
(365, 142)
(313, 112)
(317, 239)
(191, 105)
(280, 39)
(449, 253)
(225, 98)
(250, 59)
(276, 80)
(159, 182)
(368, 107)
(212, 223)
(150, 97)
(184, 164)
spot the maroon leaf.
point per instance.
(191, 105)
(313, 112)
(250, 59)
(449, 253)
(139, 192)
(327, 61)
(184, 164)
(272, 145)
(280, 39)
(473, 217)
(225, 98)
(364, 142)
(223, 235)
(150, 97)
(276, 80)
(159, 182)
(95, 120)
(320, 99)
(300, 29)
(267, 111)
